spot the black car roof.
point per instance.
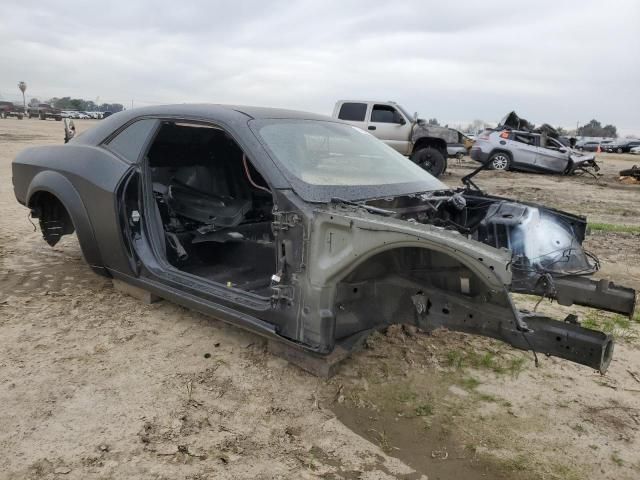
(203, 111)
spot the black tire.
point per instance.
(430, 160)
(500, 161)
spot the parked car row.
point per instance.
(623, 146)
(44, 111)
(82, 115)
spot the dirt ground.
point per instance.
(96, 385)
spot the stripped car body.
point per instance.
(310, 232)
(516, 144)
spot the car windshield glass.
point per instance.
(340, 157)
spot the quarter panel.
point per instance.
(87, 178)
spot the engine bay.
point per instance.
(543, 241)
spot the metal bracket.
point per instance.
(284, 220)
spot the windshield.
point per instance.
(341, 160)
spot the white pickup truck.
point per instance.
(425, 144)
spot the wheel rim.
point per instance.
(500, 162)
(426, 162)
(619, 150)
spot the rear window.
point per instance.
(354, 112)
(129, 142)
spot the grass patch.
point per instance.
(579, 428)
(499, 365)
(615, 325)
(486, 397)
(469, 383)
(455, 359)
(616, 459)
(611, 227)
(406, 396)
(424, 410)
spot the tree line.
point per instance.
(595, 129)
(79, 104)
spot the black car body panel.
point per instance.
(285, 257)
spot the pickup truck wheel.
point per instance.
(500, 161)
(431, 160)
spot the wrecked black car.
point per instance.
(516, 144)
(310, 232)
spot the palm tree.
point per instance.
(23, 87)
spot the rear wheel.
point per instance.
(430, 160)
(500, 161)
(619, 150)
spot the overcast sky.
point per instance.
(556, 61)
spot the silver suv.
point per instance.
(507, 149)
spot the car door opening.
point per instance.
(214, 207)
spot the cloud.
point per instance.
(559, 62)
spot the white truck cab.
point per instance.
(399, 129)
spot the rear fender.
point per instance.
(59, 186)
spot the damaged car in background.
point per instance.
(516, 144)
(310, 232)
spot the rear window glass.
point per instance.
(129, 143)
(354, 112)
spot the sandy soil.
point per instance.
(94, 384)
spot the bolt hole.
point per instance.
(355, 289)
(481, 259)
(559, 339)
(445, 311)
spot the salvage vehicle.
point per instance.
(425, 144)
(44, 111)
(310, 232)
(9, 109)
(516, 145)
